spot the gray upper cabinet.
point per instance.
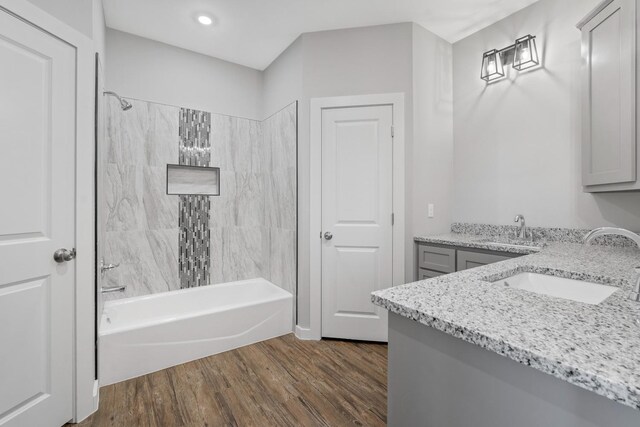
(609, 141)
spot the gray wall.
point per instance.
(148, 70)
(517, 142)
(430, 157)
(99, 30)
(371, 60)
(86, 16)
(282, 80)
(75, 13)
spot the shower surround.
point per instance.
(167, 242)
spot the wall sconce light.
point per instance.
(526, 55)
(492, 68)
(522, 54)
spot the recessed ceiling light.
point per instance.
(205, 20)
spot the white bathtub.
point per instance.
(145, 334)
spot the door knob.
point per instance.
(328, 236)
(62, 255)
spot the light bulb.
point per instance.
(205, 20)
(491, 67)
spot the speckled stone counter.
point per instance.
(482, 242)
(596, 347)
(502, 238)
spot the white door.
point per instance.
(37, 194)
(357, 202)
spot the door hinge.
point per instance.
(393, 131)
(393, 219)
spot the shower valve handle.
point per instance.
(106, 267)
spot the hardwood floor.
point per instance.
(280, 382)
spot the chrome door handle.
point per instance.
(328, 236)
(62, 255)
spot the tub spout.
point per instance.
(113, 289)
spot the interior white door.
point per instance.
(357, 206)
(37, 202)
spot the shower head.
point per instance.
(124, 104)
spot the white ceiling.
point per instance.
(255, 32)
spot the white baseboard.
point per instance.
(305, 334)
(96, 393)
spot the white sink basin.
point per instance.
(559, 287)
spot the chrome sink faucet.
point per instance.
(604, 231)
(522, 233)
(635, 294)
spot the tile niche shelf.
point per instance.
(193, 180)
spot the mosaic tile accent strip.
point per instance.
(194, 259)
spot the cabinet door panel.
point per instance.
(609, 96)
(436, 258)
(424, 274)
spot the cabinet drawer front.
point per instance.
(467, 260)
(428, 274)
(437, 259)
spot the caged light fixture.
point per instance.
(492, 68)
(523, 54)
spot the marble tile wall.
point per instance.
(280, 186)
(252, 223)
(141, 230)
(239, 237)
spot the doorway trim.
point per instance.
(396, 100)
(85, 385)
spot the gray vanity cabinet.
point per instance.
(435, 259)
(610, 154)
(467, 260)
(424, 274)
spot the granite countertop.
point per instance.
(476, 241)
(596, 347)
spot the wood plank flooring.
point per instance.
(280, 382)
